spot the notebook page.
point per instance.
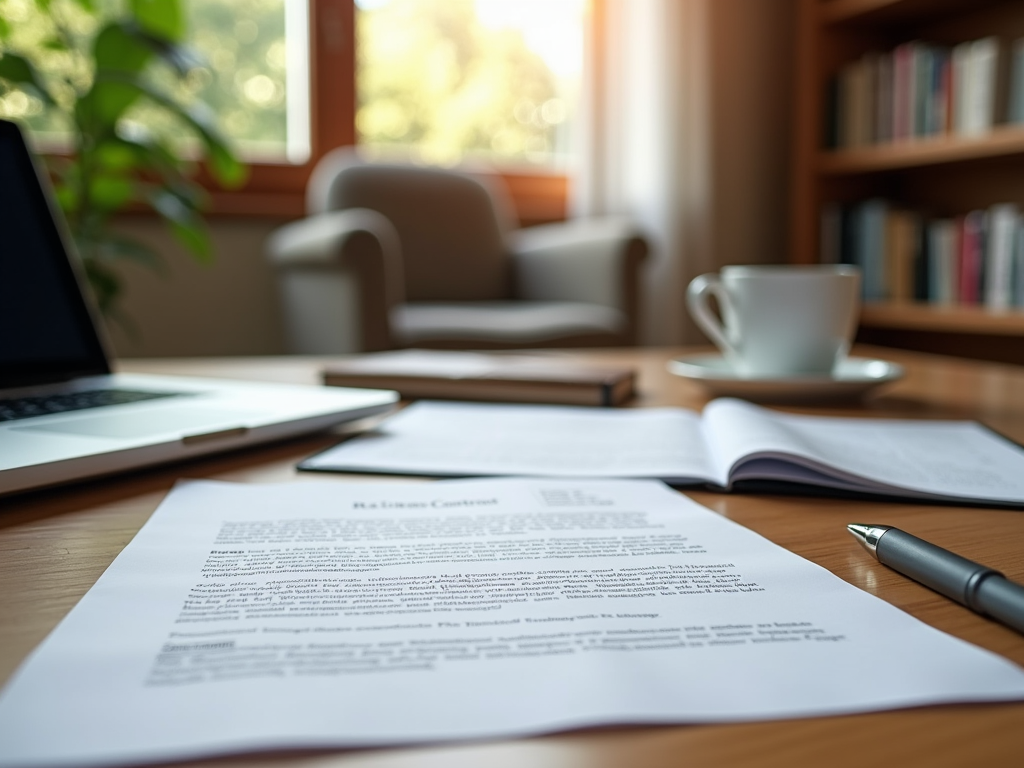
(946, 459)
(463, 439)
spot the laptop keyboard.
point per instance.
(27, 407)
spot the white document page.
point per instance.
(434, 438)
(946, 459)
(248, 617)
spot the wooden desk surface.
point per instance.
(55, 544)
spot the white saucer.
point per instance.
(854, 377)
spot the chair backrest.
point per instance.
(451, 227)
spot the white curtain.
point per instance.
(645, 140)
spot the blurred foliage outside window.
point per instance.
(106, 80)
(243, 80)
(445, 81)
(438, 81)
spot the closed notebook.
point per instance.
(480, 376)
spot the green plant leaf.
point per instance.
(119, 48)
(5, 28)
(98, 111)
(191, 194)
(195, 237)
(161, 18)
(185, 223)
(67, 198)
(143, 151)
(110, 192)
(121, 52)
(54, 44)
(19, 70)
(115, 248)
(127, 46)
(116, 49)
(114, 154)
(226, 168)
(105, 284)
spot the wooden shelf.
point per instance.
(925, 317)
(894, 12)
(1002, 141)
(945, 176)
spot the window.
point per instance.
(442, 81)
(257, 74)
(252, 69)
(445, 81)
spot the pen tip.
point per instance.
(867, 534)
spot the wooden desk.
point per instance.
(55, 544)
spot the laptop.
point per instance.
(64, 415)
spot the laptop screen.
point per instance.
(46, 332)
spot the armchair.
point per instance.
(398, 256)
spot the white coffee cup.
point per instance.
(779, 321)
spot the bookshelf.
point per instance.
(946, 174)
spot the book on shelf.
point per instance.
(905, 255)
(732, 445)
(1017, 271)
(871, 248)
(921, 88)
(979, 86)
(1015, 99)
(943, 246)
(418, 373)
(971, 257)
(901, 241)
(1003, 222)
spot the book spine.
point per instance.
(961, 87)
(860, 120)
(1015, 108)
(922, 255)
(901, 92)
(971, 257)
(883, 98)
(982, 73)
(923, 90)
(871, 254)
(939, 112)
(845, 95)
(1018, 265)
(953, 243)
(999, 256)
(943, 254)
(890, 253)
(967, 270)
(848, 218)
(902, 255)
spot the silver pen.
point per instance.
(980, 588)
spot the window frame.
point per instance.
(279, 189)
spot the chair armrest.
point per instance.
(595, 261)
(327, 239)
(357, 240)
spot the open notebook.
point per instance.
(732, 444)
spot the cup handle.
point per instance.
(697, 295)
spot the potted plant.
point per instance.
(127, 61)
